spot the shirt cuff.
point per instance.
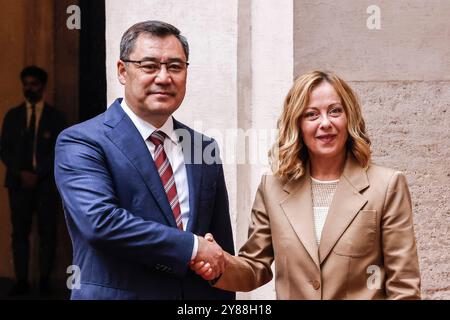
(195, 248)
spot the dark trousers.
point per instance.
(24, 202)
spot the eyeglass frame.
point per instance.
(139, 62)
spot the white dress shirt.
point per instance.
(39, 107)
(175, 155)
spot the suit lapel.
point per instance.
(191, 147)
(126, 137)
(23, 118)
(42, 124)
(194, 175)
(346, 203)
(298, 209)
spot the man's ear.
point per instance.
(121, 72)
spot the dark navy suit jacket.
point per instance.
(123, 232)
(13, 143)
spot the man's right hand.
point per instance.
(211, 256)
(28, 179)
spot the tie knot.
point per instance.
(157, 138)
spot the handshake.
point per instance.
(211, 260)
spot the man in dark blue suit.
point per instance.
(140, 189)
(28, 140)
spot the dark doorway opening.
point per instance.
(92, 59)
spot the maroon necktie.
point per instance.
(166, 174)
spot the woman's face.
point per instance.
(323, 124)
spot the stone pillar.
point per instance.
(272, 60)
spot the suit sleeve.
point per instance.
(92, 208)
(252, 267)
(398, 242)
(8, 145)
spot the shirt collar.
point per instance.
(145, 128)
(39, 105)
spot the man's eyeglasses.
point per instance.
(153, 67)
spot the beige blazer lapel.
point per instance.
(298, 209)
(347, 201)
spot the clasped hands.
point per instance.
(28, 179)
(211, 260)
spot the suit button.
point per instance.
(315, 284)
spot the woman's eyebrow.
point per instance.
(335, 104)
(330, 105)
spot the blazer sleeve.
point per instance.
(92, 208)
(398, 242)
(252, 267)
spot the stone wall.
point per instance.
(401, 73)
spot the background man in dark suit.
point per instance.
(27, 149)
(138, 193)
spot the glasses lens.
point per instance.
(173, 67)
(150, 66)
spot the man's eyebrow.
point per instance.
(149, 59)
(157, 60)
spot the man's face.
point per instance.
(33, 89)
(154, 96)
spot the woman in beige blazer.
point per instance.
(336, 225)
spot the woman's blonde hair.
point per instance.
(289, 154)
